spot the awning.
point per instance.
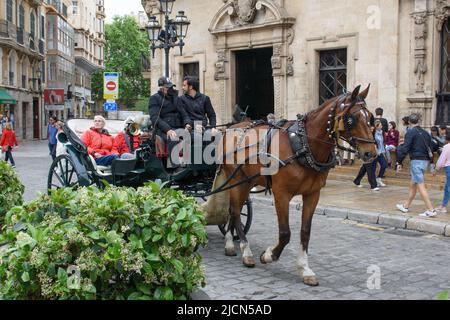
(6, 98)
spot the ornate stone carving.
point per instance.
(290, 35)
(276, 57)
(244, 10)
(290, 65)
(151, 7)
(220, 65)
(442, 12)
(420, 51)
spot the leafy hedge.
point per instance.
(116, 243)
(11, 190)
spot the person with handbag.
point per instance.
(8, 142)
(418, 146)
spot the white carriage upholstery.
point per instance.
(101, 170)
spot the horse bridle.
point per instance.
(345, 122)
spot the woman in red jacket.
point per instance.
(100, 143)
(7, 142)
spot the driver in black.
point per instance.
(166, 113)
(198, 106)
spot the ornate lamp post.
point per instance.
(173, 33)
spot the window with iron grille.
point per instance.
(443, 96)
(32, 24)
(332, 74)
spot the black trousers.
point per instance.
(8, 156)
(370, 170)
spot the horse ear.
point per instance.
(365, 93)
(355, 92)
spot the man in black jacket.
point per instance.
(418, 146)
(197, 105)
(379, 116)
(165, 111)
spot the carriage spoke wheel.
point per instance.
(246, 220)
(62, 174)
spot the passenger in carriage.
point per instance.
(198, 106)
(127, 141)
(100, 143)
(167, 116)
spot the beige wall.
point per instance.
(382, 37)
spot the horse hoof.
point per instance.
(249, 262)
(311, 281)
(264, 260)
(230, 252)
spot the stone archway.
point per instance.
(252, 24)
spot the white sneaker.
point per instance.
(441, 209)
(429, 214)
(402, 208)
(376, 189)
(380, 183)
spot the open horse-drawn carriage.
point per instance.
(76, 168)
(302, 151)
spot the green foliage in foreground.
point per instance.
(11, 189)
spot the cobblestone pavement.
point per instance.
(413, 265)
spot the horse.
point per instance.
(302, 172)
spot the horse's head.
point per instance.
(353, 123)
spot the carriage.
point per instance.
(76, 168)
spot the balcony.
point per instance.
(20, 33)
(100, 12)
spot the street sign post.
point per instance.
(111, 85)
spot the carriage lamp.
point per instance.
(171, 35)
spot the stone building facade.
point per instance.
(288, 56)
(88, 19)
(22, 52)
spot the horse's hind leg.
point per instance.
(272, 254)
(309, 206)
(229, 241)
(238, 197)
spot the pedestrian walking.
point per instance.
(444, 162)
(379, 116)
(8, 142)
(442, 133)
(52, 131)
(418, 146)
(392, 141)
(381, 152)
(60, 148)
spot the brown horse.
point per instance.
(345, 117)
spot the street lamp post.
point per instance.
(172, 35)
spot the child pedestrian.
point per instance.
(7, 142)
(444, 162)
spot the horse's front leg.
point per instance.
(309, 206)
(229, 239)
(272, 254)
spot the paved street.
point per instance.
(413, 265)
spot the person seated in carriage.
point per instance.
(100, 143)
(167, 116)
(197, 106)
(128, 140)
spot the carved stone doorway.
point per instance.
(254, 82)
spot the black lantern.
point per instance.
(166, 6)
(153, 28)
(182, 22)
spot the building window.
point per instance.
(333, 74)
(32, 24)
(64, 10)
(75, 7)
(12, 69)
(9, 10)
(443, 96)
(191, 69)
(42, 27)
(21, 17)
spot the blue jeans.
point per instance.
(106, 160)
(383, 165)
(447, 188)
(52, 149)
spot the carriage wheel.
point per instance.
(246, 219)
(62, 174)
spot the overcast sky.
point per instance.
(121, 7)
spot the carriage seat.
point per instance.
(101, 170)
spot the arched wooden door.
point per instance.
(443, 95)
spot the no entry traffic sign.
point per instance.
(111, 85)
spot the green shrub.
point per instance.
(11, 190)
(122, 244)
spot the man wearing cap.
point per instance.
(197, 105)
